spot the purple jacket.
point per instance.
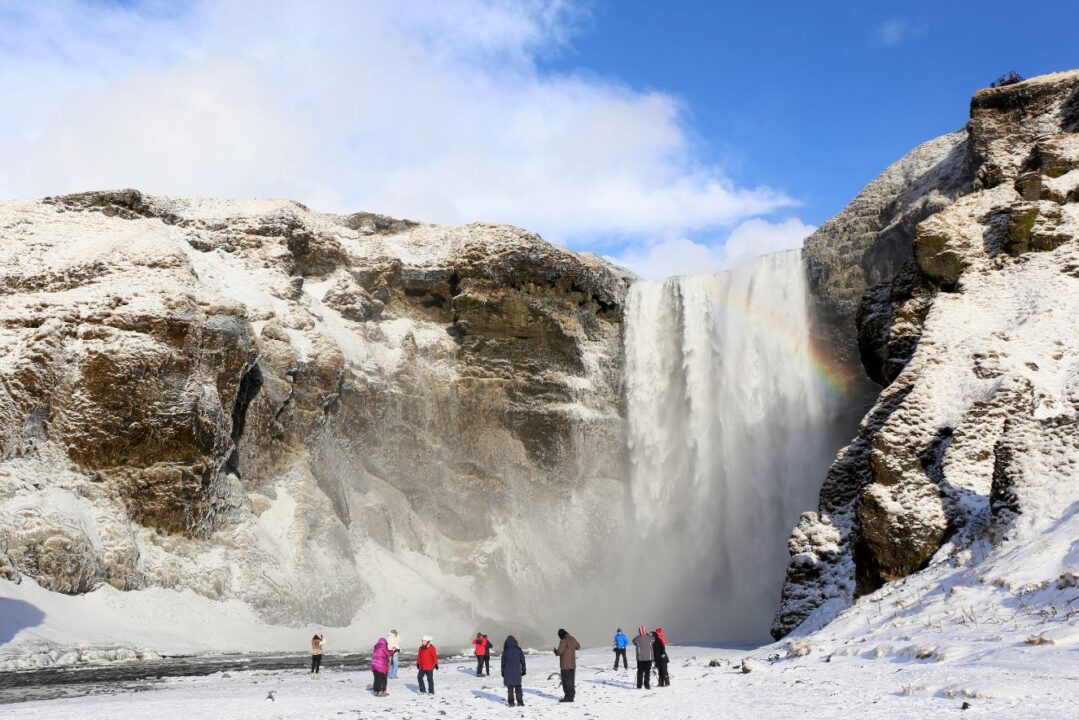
(380, 658)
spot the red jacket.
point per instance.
(481, 646)
(427, 658)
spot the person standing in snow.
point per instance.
(427, 663)
(513, 669)
(621, 642)
(316, 653)
(486, 655)
(659, 652)
(380, 665)
(643, 642)
(567, 663)
(479, 645)
(394, 643)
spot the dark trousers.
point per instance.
(515, 690)
(664, 678)
(430, 675)
(316, 663)
(485, 661)
(568, 689)
(644, 673)
(479, 664)
(380, 681)
(620, 653)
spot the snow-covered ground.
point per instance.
(43, 629)
(1038, 682)
(994, 627)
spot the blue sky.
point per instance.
(818, 97)
(674, 137)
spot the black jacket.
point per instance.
(659, 650)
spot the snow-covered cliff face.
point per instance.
(973, 331)
(303, 411)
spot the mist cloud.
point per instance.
(682, 256)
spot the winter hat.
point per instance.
(618, 630)
(427, 638)
(644, 630)
(562, 633)
(393, 632)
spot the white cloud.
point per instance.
(435, 111)
(893, 31)
(682, 256)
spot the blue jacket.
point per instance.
(620, 640)
(513, 662)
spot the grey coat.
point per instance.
(643, 644)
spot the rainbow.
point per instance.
(835, 378)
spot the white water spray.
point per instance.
(731, 430)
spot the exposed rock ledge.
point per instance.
(253, 400)
(973, 243)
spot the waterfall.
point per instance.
(730, 433)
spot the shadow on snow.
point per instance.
(17, 615)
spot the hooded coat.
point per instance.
(620, 640)
(380, 657)
(393, 641)
(513, 662)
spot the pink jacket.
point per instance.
(380, 658)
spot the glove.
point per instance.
(436, 667)
(523, 672)
(417, 666)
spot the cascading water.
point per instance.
(731, 429)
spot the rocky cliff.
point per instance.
(958, 273)
(302, 410)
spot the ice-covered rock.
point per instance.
(972, 329)
(870, 240)
(302, 410)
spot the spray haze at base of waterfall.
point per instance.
(731, 427)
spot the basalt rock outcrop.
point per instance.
(967, 251)
(870, 241)
(256, 401)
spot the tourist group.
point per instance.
(649, 647)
